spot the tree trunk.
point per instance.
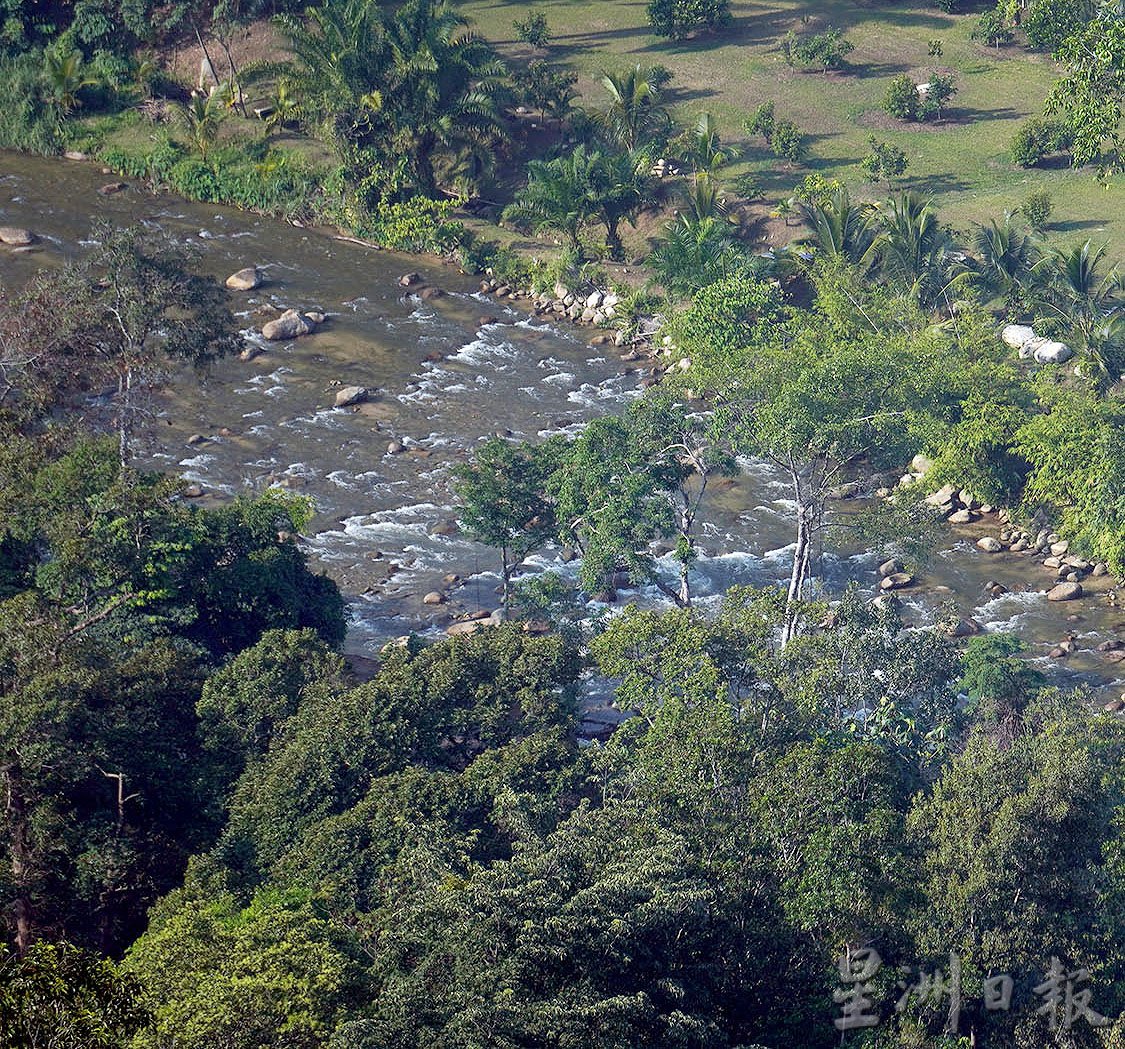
(125, 392)
(20, 846)
(802, 556)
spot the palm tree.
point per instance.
(286, 109)
(916, 252)
(202, 118)
(557, 197)
(839, 227)
(65, 77)
(619, 188)
(704, 149)
(635, 110)
(1075, 288)
(444, 87)
(1009, 258)
(702, 199)
(697, 252)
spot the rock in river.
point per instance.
(16, 237)
(246, 279)
(1065, 592)
(350, 395)
(289, 325)
(990, 544)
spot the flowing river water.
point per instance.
(449, 372)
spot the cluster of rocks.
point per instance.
(292, 324)
(417, 286)
(1032, 347)
(593, 307)
(959, 506)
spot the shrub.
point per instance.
(1037, 209)
(26, 122)
(418, 224)
(533, 30)
(901, 100)
(1038, 138)
(816, 189)
(884, 162)
(678, 18)
(761, 123)
(787, 141)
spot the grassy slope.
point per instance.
(964, 159)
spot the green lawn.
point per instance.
(963, 160)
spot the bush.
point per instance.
(787, 141)
(1038, 139)
(678, 18)
(27, 123)
(1037, 209)
(940, 90)
(816, 189)
(901, 100)
(533, 30)
(884, 162)
(761, 123)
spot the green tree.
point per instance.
(901, 99)
(65, 77)
(1091, 92)
(202, 118)
(992, 29)
(884, 162)
(504, 500)
(559, 196)
(839, 226)
(680, 18)
(533, 30)
(827, 50)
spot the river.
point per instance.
(449, 372)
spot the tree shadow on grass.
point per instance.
(1075, 225)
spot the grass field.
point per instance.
(963, 160)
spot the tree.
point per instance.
(503, 493)
(533, 30)
(406, 81)
(1049, 23)
(884, 162)
(627, 482)
(636, 111)
(1038, 138)
(939, 90)
(901, 99)
(559, 196)
(992, 29)
(828, 49)
(702, 147)
(816, 402)
(1009, 258)
(547, 88)
(128, 308)
(1037, 208)
(1091, 92)
(787, 141)
(680, 18)
(696, 252)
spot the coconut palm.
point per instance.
(636, 111)
(202, 118)
(703, 147)
(65, 76)
(1077, 291)
(916, 252)
(697, 252)
(1009, 257)
(839, 227)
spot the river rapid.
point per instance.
(450, 371)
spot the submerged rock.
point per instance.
(349, 395)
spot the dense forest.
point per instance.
(817, 822)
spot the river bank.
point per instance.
(445, 372)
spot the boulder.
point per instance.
(290, 325)
(349, 395)
(990, 545)
(434, 597)
(112, 187)
(897, 581)
(943, 496)
(594, 300)
(16, 237)
(396, 448)
(921, 464)
(1015, 335)
(246, 279)
(966, 628)
(890, 567)
(1065, 592)
(961, 517)
(1046, 351)
(1060, 548)
(408, 280)
(470, 626)
(445, 528)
